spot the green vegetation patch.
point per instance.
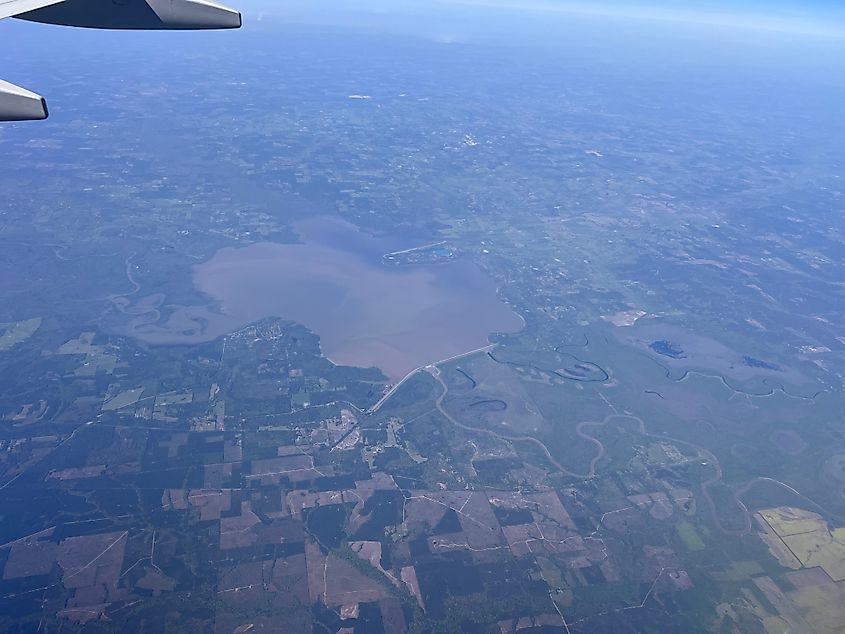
(124, 399)
(739, 571)
(301, 399)
(17, 332)
(175, 398)
(689, 536)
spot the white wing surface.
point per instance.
(10, 8)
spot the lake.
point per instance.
(334, 282)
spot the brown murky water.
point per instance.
(366, 313)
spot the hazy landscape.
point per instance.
(610, 239)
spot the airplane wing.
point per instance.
(8, 8)
(19, 104)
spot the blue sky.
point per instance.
(811, 17)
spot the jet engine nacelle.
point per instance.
(137, 14)
(19, 104)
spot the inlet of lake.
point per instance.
(334, 282)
